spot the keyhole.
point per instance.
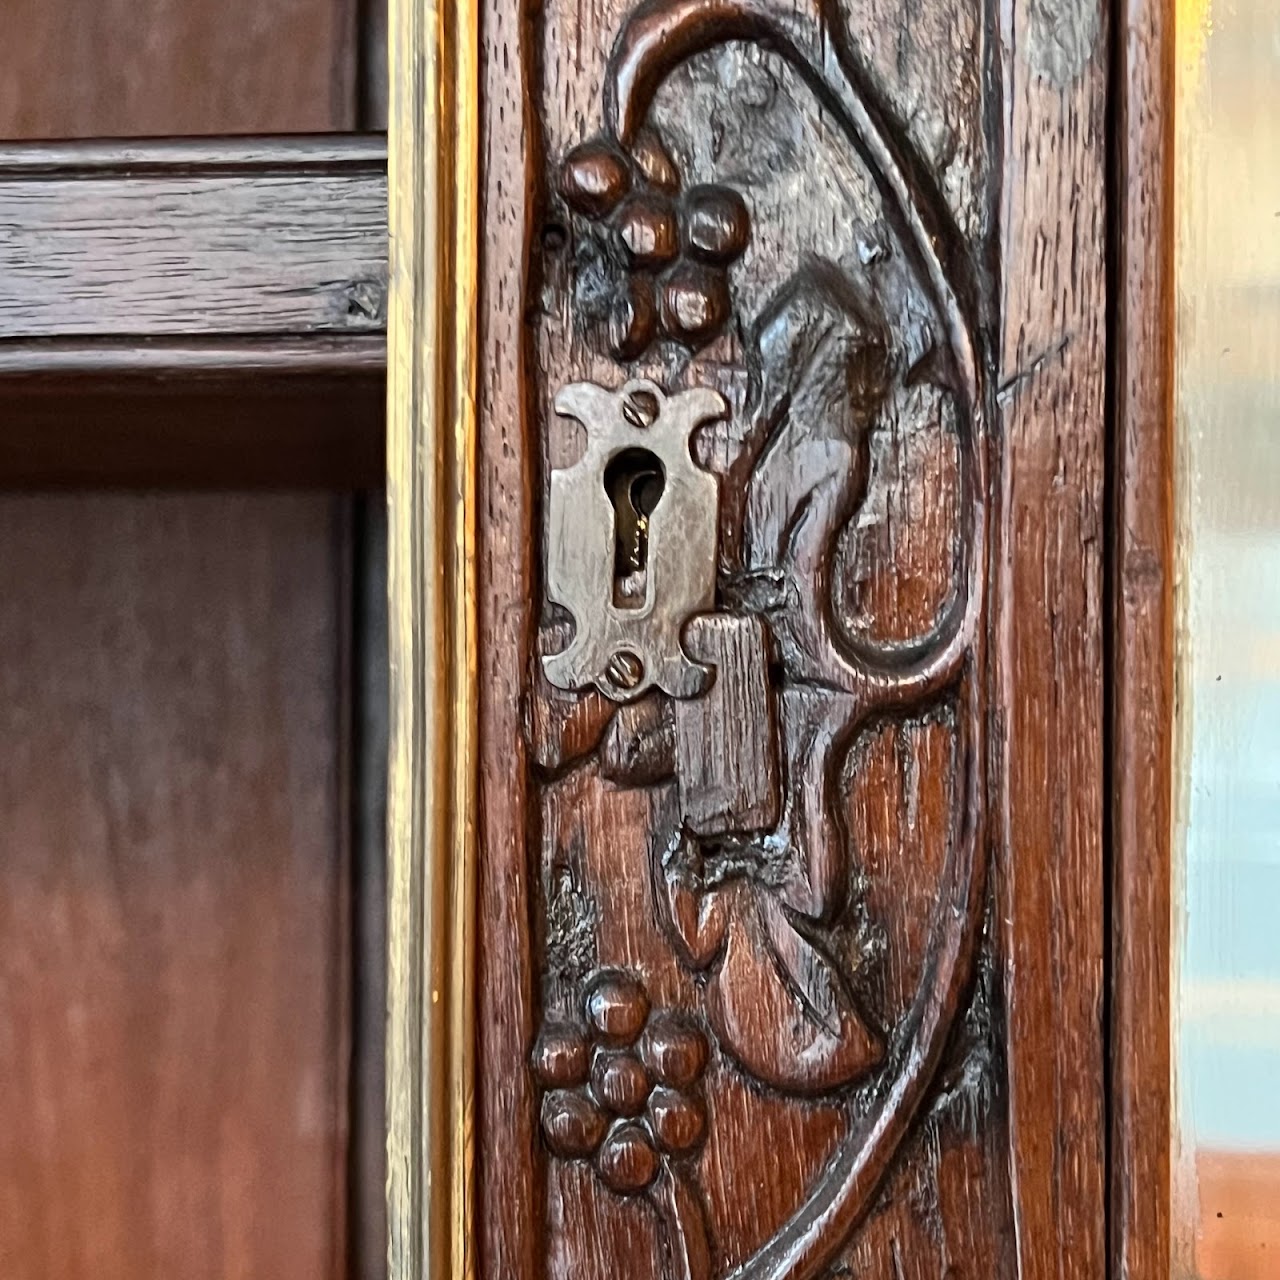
(634, 481)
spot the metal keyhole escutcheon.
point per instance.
(632, 534)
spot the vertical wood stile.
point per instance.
(1142, 551)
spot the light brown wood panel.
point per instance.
(193, 311)
(173, 937)
(128, 68)
(174, 947)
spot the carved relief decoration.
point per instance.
(724, 958)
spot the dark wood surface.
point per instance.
(944, 366)
(172, 974)
(1048, 687)
(370, 709)
(124, 250)
(1143, 557)
(214, 430)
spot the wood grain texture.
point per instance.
(819, 1041)
(564, 889)
(130, 68)
(1142, 621)
(1048, 691)
(509, 1197)
(726, 757)
(183, 242)
(173, 1028)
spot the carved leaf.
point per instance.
(779, 1007)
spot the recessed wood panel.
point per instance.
(175, 958)
(173, 1025)
(128, 68)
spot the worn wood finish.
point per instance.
(149, 255)
(1048, 689)
(723, 1033)
(173, 947)
(857, 246)
(116, 68)
(1142, 630)
(774, 973)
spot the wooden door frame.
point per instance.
(435, 610)
(1141, 661)
(431, 483)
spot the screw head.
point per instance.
(640, 408)
(624, 670)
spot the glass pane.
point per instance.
(1227, 1213)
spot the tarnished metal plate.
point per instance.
(632, 532)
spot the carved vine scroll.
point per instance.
(737, 765)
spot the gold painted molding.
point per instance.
(431, 469)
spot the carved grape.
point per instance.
(627, 1162)
(675, 1051)
(695, 303)
(572, 1124)
(646, 225)
(620, 1083)
(617, 1007)
(561, 1056)
(654, 163)
(633, 319)
(678, 1121)
(594, 178)
(717, 225)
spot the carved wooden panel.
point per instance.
(750, 884)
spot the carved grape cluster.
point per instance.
(673, 248)
(622, 1086)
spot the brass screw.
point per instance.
(625, 670)
(640, 409)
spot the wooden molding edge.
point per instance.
(229, 358)
(1142, 635)
(206, 257)
(136, 157)
(432, 803)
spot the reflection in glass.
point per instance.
(1227, 995)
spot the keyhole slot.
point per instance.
(634, 481)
